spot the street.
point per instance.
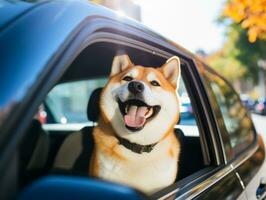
(260, 123)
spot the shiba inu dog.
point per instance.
(134, 139)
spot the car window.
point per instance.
(235, 118)
(67, 102)
(64, 111)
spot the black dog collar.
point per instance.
(137, 148)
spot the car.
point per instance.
(186, 110)
(248, 102)
(260, 107)
(57, 55)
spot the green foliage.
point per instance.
(238, 58)
(245, 52)
(226, 61)
(229, 68)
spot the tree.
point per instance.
(248, 53)
(229, 68)
(251, 14)
(239, 56)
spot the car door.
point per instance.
(251, 168)
(225, 183)
(220, 181)
(244, 148)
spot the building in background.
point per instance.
(124, 7)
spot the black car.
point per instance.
(55, 54)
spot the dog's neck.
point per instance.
(134, 147)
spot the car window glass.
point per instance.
(237, 123)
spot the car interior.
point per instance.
(88, 73)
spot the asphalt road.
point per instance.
(259, 123)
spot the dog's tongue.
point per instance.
(135, 116)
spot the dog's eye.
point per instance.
(127, 78)
(155, 83)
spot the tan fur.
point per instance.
(148, 172)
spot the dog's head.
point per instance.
(141, 103)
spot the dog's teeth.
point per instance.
(126, 109)
(149, 112)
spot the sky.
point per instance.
(189, 23)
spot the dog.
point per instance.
(134, 140)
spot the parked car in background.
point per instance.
(57, 55)
(260, 107)
(186, 110)
(248, 102)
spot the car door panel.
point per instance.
(253, 169)
(244, 150)
(228, 187)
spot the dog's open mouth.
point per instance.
(136, 113)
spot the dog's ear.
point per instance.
(171, 70)
(120, 63)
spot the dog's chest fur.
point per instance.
(148, 172)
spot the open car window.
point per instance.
(66, 106)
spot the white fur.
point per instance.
(153, 130)
(152, 77)
(133, 73)
(143, 171)
(171, 70)
(123, 94)
(120, 63)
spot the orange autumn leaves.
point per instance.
(251, 14)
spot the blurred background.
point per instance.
(229, 35)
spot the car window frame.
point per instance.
(200, 102)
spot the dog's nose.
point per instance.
(135, 87)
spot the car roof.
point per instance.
(10, 10)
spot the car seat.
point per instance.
(33, 152)
(190, 158)
(75, 152)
